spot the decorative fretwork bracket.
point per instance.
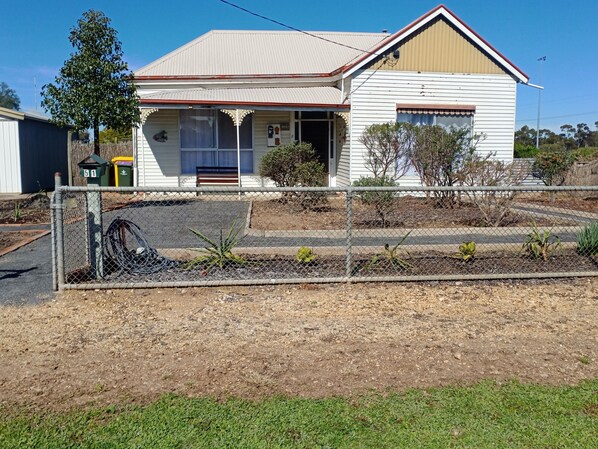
(346, 116)
(237, 115)
(145, 112)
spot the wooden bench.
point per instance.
(216, 176)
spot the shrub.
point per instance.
(552, 167)
(388, 146)
(296, 165)
(305, 255)
(285, 165)
(525, 151)
(585, 154)
(438, 154)
(587, 240)
(495, 207)
(381, 201)
(467, 251)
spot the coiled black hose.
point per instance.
(142, 260)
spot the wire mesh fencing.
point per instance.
(144, 237)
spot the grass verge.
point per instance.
(483, 416)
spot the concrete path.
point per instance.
(26, 274)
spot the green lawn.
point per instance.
(482, 416)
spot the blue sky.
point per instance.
(34, 44)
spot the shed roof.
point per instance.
(323, 96)
(259, 53)
(19, 115)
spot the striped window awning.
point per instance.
(436, 109)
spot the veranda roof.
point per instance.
(309, 97)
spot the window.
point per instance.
(209, 139)
(446, 121)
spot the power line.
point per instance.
(558, 116)
(297, 29)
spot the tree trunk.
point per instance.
(96, 139)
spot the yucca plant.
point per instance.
(540, 244)
(218, 253)
(587, 240)
(391, 255)
(467, 251)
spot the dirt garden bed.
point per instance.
(432, 263)
(108, 346)
(566, 201)
(408, 211)
(11, 238)
(34, 209)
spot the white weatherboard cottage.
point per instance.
(228, 97)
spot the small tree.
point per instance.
(94, 86)
(437, 154)
(8, 97)
(387, 146)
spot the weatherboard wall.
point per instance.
(10, 160)
(376, 94)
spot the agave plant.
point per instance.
(391, 255)
(219, 252)
(540, 244)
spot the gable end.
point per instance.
(439, 47)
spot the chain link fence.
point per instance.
(108, 237)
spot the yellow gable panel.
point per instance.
(438, 47)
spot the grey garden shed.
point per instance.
(31, 150)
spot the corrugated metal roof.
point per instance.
(237, 53)
(19, 115)
(316, 96)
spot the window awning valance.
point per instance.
(436, 109)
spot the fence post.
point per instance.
(349, 229)
(57, 234)
(95, 234)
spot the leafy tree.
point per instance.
(526, 136)
(8, 97)
(93, 88)
(582, 135)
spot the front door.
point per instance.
(317, 128)
(317, 133)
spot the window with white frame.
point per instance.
(209, 139)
